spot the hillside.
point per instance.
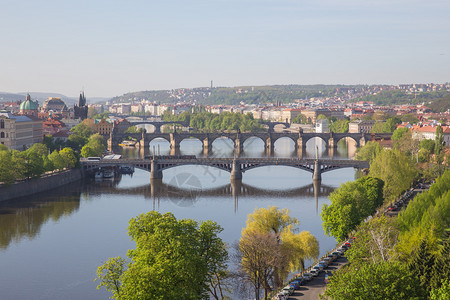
(236, 95)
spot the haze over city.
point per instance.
(109, 48)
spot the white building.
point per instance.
(322, 126)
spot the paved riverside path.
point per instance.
(317, 285)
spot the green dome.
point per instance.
(29, 104)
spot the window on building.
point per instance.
(2, 123)
(2, 135)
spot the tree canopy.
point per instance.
(350, 204)
(375, 281)
(173, 259)
(396, 170)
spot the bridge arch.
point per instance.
(315, 139)
(304, 168)
(251, 138)
(222, 138)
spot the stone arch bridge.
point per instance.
(269, 138)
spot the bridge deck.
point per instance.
(226, 163)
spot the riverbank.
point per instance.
(37, 185)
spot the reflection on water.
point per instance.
(24, 218)
(51, 244)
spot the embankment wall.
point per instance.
(38, 185)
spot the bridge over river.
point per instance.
(269, 138)
(235, 166)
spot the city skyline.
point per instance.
(109, 48)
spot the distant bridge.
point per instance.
(269, 138)
(235, 166)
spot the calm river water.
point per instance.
(51, 244)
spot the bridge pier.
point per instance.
(155, 173)
(174, 141)
(236, 173)
(331, 143)
(361, 142)
(269, 145)
(143, 142)
(207, 146)
(317, 175)
(238, 145)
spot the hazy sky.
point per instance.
(112, 47)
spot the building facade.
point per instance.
(360, 126)
(20, 132)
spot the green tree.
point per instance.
(97, 143)
(395, 169)
(378, 127)
(109, 274)
(422, 265)
(34, 162)
(368, 152)
(339, 126)
(57, 160)
(442, 293)
(439, 141)
(173, 259)
(409, 118)
(350, 204)
(383, 280)
(398, 133)
(321, 117)
(47, 163)
(7, 175)
(425, 218)
(87, 151)
(134, 129)
(69, 157)
(375, 241)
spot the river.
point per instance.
(51, 244)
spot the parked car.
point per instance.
(314, 272)
(323, 263)
(307, 276)
(288, 290)
(318, 267)
(341, 251)
(281, 296)
(295, 284)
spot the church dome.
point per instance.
(29, 104)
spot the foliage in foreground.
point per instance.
(269, 249)
(395, 169)
(173, 259)
(414, 246)
(350, 204)
(383, 280)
